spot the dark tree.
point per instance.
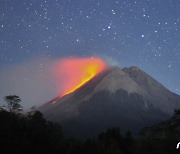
(30, 134)
(13, 103)
(32, 110)
(176, 112)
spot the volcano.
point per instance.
(127, 98)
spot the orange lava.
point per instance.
(77, 71)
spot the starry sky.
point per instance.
(145, 33)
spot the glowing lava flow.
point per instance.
(76, 72)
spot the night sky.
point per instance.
(145, 33)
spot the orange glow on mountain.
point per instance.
(76, 72)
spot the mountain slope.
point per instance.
(128, 98)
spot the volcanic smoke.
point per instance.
(76, 72)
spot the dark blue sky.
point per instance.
(145, 33)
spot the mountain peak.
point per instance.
(133, 68)
(116, 79)
(128, 98)
(134, 71)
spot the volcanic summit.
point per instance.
(128, 98)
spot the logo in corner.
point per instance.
(177, 147)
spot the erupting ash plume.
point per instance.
(77, 71)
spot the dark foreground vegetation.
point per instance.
(31, 133)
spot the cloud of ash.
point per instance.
(33, 81)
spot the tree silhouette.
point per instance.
(13, 103)
(32, 110)
(176, 112)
